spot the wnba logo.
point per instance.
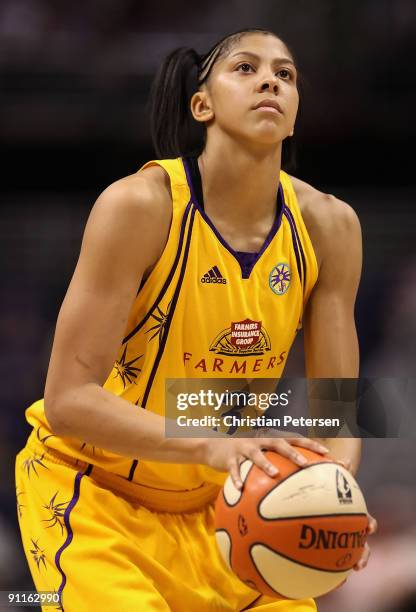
(343, 489)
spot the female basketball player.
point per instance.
(112, 513)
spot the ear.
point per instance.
(201, 107)
(292, 131)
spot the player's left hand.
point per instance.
(371, 528)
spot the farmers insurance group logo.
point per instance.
(243, 337)
(279, 278)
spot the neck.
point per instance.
(239, 183)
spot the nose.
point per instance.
(269, 83)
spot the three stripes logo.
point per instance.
(214, 276)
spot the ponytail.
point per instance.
(174, 131)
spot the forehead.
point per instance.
(266, 45)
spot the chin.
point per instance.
(268, 137)
(268, 132)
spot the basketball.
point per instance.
(296, 535)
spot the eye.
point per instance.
(245, 67)
(285, 74)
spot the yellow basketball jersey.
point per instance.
(205, 311)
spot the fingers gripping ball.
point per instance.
(296, 535)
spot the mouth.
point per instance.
(271, 106)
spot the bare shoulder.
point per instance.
(145, 194)
(321, 208)
(135, 213)
(328, 219)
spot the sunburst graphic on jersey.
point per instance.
(126, 370)
(56, 511)
(30, 464)
(37, 553)
(19, 505)
(161, 319)
(44, 437)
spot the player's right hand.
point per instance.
(227, 455)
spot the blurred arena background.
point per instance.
(74, 84)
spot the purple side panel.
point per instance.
(69, 531)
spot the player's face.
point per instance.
(258, 70)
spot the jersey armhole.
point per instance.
(306, 242)
(170, 166)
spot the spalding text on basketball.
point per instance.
(322, 538)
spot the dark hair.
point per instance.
(174, 131)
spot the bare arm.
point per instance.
(124, 236)
(331, 345)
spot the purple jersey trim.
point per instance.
(246, 263)
(167, 327)
(167, 281)
(70, 534)
(295, 246)
(302, 254)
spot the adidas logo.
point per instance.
(213, 276)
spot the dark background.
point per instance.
(74, 82)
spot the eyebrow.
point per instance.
(277, 60)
